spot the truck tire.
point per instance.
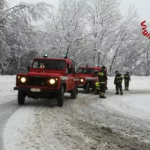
(21, 97)
(74, 93)
(60, 99)
(87, 88)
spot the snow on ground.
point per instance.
(38, 126)
(134, 105)
(137, 83)
(7, 84)
(135, 102)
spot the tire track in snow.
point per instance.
(77, 125)
(6, 110)
(76, 128)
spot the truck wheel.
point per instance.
(74, 93)
(60, 99)
(21, 97)
(87, 88)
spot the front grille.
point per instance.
(37, 81)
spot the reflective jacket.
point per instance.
(127, 77)
(118, 78)
(102, 77)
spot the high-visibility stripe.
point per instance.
(102, 82)
(118, 77)
(97, 84)
(101, 74)
(102, 94)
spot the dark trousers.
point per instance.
(118, 87)
(126, 84)
(102, 89)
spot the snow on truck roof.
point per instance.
(65, 59)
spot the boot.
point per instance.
(96, 92)
(117, 93)
(121, 93)
(102, 96)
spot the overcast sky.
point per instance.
(143, 7)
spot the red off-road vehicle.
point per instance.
(47, 78)
(87, 77)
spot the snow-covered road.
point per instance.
(87, 123)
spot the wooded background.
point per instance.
(92, 32)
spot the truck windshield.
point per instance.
(49, 64)
(85, 70)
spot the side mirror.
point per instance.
(28, 68)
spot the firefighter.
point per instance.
(102, 81)
(42, 66)
(126, 81)
(118, 82)
(97, 88)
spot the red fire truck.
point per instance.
(47, 78)
(87, 77)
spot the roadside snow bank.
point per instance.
(135, 105)
(7, 84)
(135, 102)
(137, 83)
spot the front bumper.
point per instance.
(43, 93)
(26, 89)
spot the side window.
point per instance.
(35, 64)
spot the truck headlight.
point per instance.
(52, 81)
(23, 79)
(81, 80)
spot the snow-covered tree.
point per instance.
(17, 35)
